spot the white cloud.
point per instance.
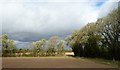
(21, 1)
(42, 19)
(0, 19)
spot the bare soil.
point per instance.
(49, 62)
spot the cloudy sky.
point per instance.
(29, 20)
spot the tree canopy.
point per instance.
(98, 39)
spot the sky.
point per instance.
(26, 21)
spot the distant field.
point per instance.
(49, 62)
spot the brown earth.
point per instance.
(49, 62)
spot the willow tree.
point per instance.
(98, 38)
(8, 46)
(38, 47)
(52, 43)
(109, 28)
(84, 41)
(60, 47)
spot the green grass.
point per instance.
(104, 61)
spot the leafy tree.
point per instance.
(52, 43)
(98, 39)
(60, 47)
(38, 46)
(109, 28)
(8, 46)
(82, 40)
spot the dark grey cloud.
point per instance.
(20, 44)
(32, 36)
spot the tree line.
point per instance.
(98, 39)
(52, 47)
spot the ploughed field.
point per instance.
(49, 62)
